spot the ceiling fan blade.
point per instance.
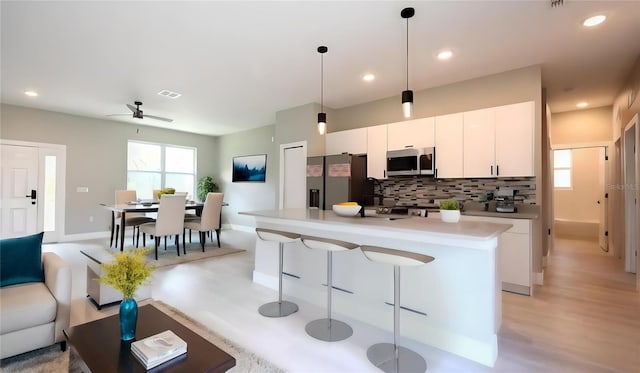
(132, 108)
(158, 118)
(117, 115)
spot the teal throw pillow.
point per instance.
(21, 260)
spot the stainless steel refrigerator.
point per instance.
(337, 178)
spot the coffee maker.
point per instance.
(504, 200)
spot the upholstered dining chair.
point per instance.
(169, 222)
(209, 219)
(132, 219)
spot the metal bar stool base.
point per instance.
(329, 330)
(278, 309)
(382, 355)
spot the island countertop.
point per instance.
(437, 297)
(425, 229)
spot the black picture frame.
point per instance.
(249, 169)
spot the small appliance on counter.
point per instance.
(504, 200)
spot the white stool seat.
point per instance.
(277, 236)
(328, 329)
(280, 308)
(395, 257)
(392, 358)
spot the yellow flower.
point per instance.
(128, 271)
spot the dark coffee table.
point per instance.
(98, 345)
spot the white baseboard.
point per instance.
(84, 236)
(538, 278)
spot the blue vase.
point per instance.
(128, 319)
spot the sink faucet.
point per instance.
(380, 193)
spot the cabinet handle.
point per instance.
(491, 170)
(384, 172)
(436, 174)
(408, 146)
(497, 170)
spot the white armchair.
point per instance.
(34, 314)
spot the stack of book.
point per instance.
(157, 349)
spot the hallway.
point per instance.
(586, 317)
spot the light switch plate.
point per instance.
(82, 190)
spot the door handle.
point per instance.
(598, 202)
(32, 195)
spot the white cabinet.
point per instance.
(417, 133)
(515, 132)
(515, 253)
(448, 142)
(498, 142)
(377, 151)
(479, 143)
(350, 141)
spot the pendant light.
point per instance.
(407, 95)
(322, 116)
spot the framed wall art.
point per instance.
(250, 168)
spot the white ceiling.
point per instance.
(238, 63)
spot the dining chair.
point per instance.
(169, 222)
(132, 219)
(209, 219)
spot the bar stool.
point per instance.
(328, 329)
(386, 356)
(280, 308)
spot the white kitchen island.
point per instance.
(452, 303)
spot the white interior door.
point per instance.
(19, 184)
(294, 176)
(602, 201)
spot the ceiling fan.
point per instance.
(137, 113)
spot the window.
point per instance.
(562, 168)
(156, 166)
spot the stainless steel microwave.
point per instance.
(411, 161)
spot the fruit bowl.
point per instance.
(346, 210)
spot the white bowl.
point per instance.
(347, 210)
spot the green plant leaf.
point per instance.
(128, 271)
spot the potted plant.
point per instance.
(206, 185)
(126, 273)
(449, 211)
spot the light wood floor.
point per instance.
(586, 318)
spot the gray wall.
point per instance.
(96, 156)
(248, 196)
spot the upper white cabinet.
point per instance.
(350, 141)
(498, 142)
(417, 133)
(479, 143)
(515, 132)
(448, 141)
(377, 151)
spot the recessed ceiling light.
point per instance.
(169, 94)
(582, 104)
(445, 55)
(368, 77)
(31, 93)
(594, 21)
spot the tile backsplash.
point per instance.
(421, 191)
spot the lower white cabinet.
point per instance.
(515, 252)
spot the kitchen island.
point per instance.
(452, 303)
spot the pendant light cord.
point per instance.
(407, 54)
(322, 82)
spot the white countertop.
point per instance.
(432, 227)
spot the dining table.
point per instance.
(136, 207)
